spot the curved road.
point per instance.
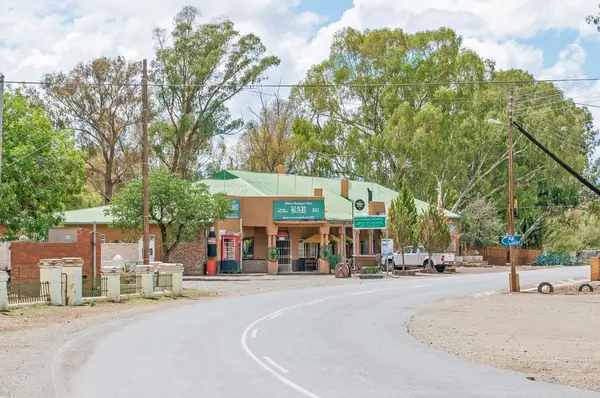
(341, 341)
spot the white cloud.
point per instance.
(39, 36)
(509, 54)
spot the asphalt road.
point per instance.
(342, 341)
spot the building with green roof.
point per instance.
(300, 216)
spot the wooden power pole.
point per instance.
(1, 120)
(145, 164)
(514, 284)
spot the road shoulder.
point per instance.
(553, 338)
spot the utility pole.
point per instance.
(1, 120)
(145, 164)
(511, 194)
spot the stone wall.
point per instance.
(4, 256)
(254, 266)
(191, 255)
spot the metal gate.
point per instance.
(285, 252)
(64, 278)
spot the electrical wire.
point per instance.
(316, 85)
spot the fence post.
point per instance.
(146, 273)
(177, 272)
(72, 267)
(51, 272)
(3, 291)
(113, 283)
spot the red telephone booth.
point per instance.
(231, 254)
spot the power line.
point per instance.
(315, 85)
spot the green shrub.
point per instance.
(552, 259)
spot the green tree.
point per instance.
(573, 232)
(435, 232)
(403, 220)
(101, 100)
(266, 141)
(387, 106)
(199, 68)
(594, 19)
(182, 209)
(42, 171)
(481, 225)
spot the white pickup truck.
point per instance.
(418, 257)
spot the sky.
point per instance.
(549, 38)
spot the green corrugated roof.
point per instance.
(87, 216)
(243, 183)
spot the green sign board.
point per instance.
(302, 210)
(370, 222)
(235, 209)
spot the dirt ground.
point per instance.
(552, 337)
(29, 336)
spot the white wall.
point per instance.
(4, 256)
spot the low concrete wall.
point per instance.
(129, 251)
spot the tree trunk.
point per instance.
(165, 246)
(403, 266)
(108, 186)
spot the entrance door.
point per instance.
(285, 251)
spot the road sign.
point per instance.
(298, 210)
(370, 222)
(509, 240)
(387, 247)
(359, 204)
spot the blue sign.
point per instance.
(509, 240)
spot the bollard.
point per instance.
(113, 283)
(51, 272)
(72, 268)
(3, 291)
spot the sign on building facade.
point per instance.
(302, 210)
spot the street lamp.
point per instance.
(514, 285)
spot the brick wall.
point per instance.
(25, 256)
(191, 255)
(254, 266)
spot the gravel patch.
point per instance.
(552, 338)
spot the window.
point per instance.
(308, 250)
(301, 249)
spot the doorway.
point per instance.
(285, 251)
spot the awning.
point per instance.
(317, 239)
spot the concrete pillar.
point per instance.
(3, 291)
(72, 267)
(272, 266)
(357, 246)
(342, 245)
(113, 283)
(51, 272)
(177, 272)
(371, 242)
(146, 273)
(323, 264)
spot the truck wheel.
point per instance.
(428, 264)
(440, 268)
